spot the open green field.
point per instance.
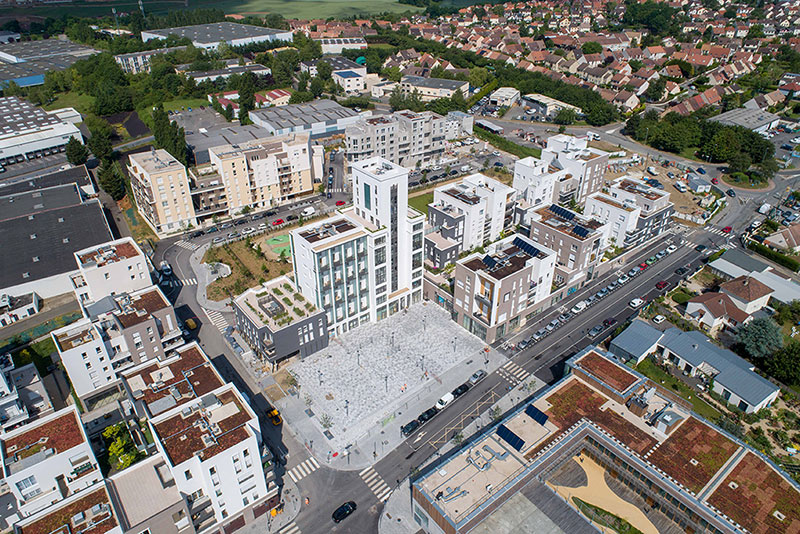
(82, 103)
(300, 9)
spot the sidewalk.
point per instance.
(397, 516)
(290, 497)
(204, 277)
(382, 427)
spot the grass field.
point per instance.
(82, 103)
(302, 9)
(701, 407)
(173, 105)
(420, 202)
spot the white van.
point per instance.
(308, 212)
(444, 401)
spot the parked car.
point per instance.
(410, 427)
(240, 222)
(662, 284)
(196, 234)
(671, 249)
(633, 272)
(564, 317)
(218, 239)
(427, 415)
(477, 376)
(460, 390)
(579, 307)
(700, 248)
(277, 222)
(658, 319)
(340, 203)
(727, 229)
(622, 280)
(636, 303)
(275, 417)
(445, 400)
(701, 170)
(212, 230)
(715, 181)
(608, 322)
(292, 217)
(731, 193)
(225, 226)
(787, 146)
(343, 512)
(166, 268)
(680, 271)
(522, 345)
(594, 332)
(262, 226)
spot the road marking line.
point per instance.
(291, 475)
(361, 474)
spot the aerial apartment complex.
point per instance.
(692, 475)
(365, 263)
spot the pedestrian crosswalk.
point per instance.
(217, 319)
(375, 483)
(302, 470)
(513, 373)
(716, 231)
(187, 245)
(291, 528)
(185, 282)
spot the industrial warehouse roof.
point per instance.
(336, 63)
(75, 175)
(748, 118)
(295, 115)
(40, 230)
(17, 116)
(217, 32)
(433, 83)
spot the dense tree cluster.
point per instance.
(658, 17)
(718, 143)
(169, 136)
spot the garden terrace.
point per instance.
(92, 514)
(217, 423)
(609, 372)
(164, 385)
(276, 304)
(693, 454)
(758, 498)
(105, 254)
(59, 434)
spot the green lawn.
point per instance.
(747, 184)
(302, 9)
(420, 202)
(38, 353)
(82, 103)
(688, 153)
(657, 375)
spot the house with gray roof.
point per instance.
(694, 354)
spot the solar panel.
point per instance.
(562, 212)
(580, 230)
(509, 437)
(536, 414)
(490, 261)
(525, 247)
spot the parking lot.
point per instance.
(193, 121)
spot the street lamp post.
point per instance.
(347, 408)
(386, 382)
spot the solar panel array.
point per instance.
(536, 414)
(580, 230)
(526, 247)
(509, 437)
(562, 212)
(489, 261)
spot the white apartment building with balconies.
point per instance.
(111, 268)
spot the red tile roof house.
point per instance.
(47, 461)
(714, 310)
(787, 239)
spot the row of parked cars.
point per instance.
(430, 413)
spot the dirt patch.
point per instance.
(274, 393)
(250, 266)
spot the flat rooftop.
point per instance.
(18, 116)
(69, 338)
(294, 115)
(90, 512)
(337, 63)
(134, 308)
(157, 161)
(327, 230)
(108, 253)
(748, 118)
(641, 190)
(162, 385)
(134, 505)
(263, 146)
(433, 83)
(42, 229)
(568, 222)
(508, 258)
(39, 440)
(76, 175)
(25, 51)
(672, 447)
(214, 424)
(228, 71)
(217, 32)
(276, 304)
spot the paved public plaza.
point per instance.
(364, 375)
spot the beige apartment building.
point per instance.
(257, 174)
(161, 190)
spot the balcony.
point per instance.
(485, 298)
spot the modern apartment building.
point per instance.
(634, 211)
(576, 240)
(117, 332)
(161, 190)
(138, 62)
(365, 263)
(115, 267)
(90, 511)
(407, 138)
(499, 291)
(23, 397)
(537, 184)
(255, 174)
(212, 446)
(584, 166)
(278, 322)
(471, 213)
(47, 461)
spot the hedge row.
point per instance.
(777, 257)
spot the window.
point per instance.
(188, 474)
(380, 255)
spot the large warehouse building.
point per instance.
(210, 36)
(319, 118)
(29, 132)
(26, 62)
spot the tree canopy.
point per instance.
(760, 338)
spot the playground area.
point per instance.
(279, 244)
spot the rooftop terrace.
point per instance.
(135, 308)
(90, 514)
(641, 189)
(327, 230)
(38, 441)
(107, 253)
(173, 382)
(84, 332)
(205, 428)
(510, 257)
(276, 304)
(568, 222)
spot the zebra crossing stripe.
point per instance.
(217, 319)
(376, 484)
(302, 470)
(291, 528)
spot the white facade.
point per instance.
(41, 140)
(43, 458)
(86, 357)
(620, 216)
(504, 97)
(367, 263)
(112, 268)
(535, 181)
(229, 473)
(349, 81)
(584, 166)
